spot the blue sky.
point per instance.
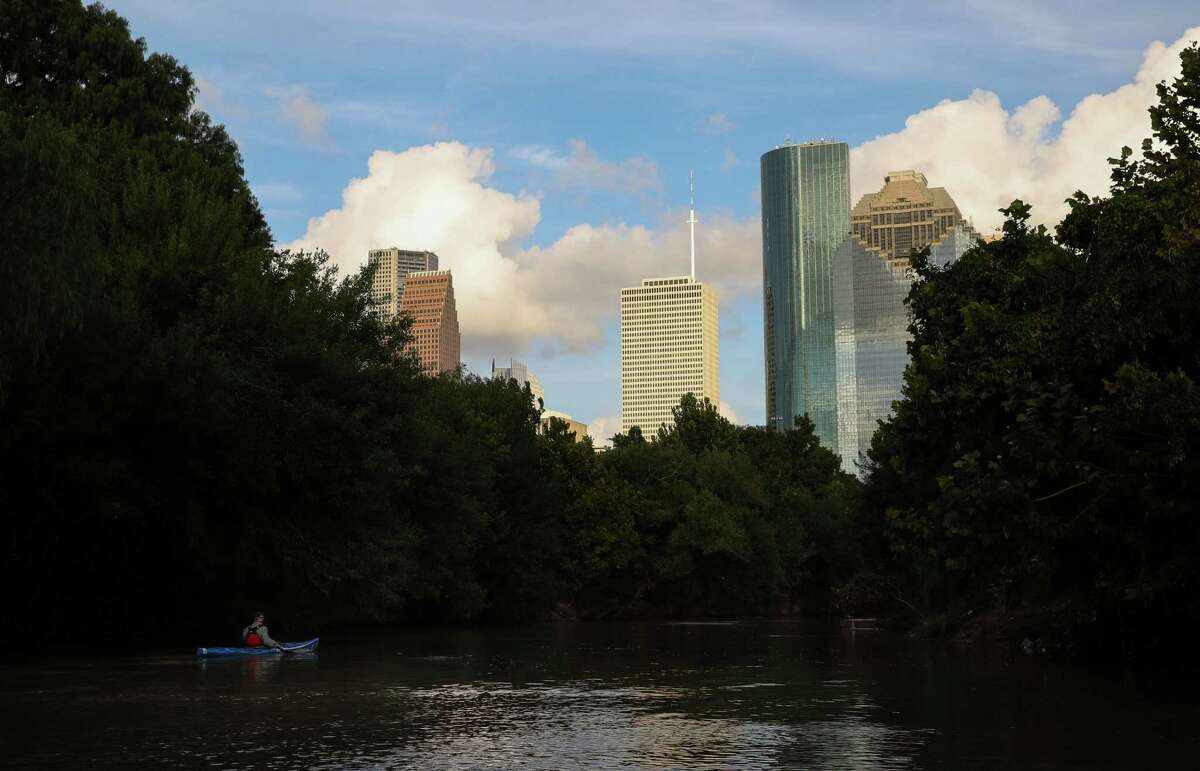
(589, 116)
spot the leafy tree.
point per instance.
(193, 425)
(719, 520)
(1044, 454)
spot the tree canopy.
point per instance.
(193, 424)
(1044, 454)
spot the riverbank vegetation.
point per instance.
(1043, 463)
(194, 425)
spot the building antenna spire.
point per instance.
(692, 217)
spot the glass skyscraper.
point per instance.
(871, 278)
(805, 218)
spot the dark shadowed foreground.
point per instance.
(194, 425)
(620, 695)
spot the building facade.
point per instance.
(805, 218)
(872, 278)
(524, 376)
(391, 267)
(573, 426)
(428, 296)
(670, 346)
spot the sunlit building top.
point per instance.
(905, 214)
(871, 279)
(392, 265)
(428, 296)
(670, 346)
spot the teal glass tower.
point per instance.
(805, 218)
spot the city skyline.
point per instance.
(545, 167)
(249, 306)
(856, 290)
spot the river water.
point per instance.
(662, 695)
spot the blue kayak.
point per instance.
(308, 645)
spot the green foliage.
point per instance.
(192, 424)
(114, 187)
(1045, 451)
(714, 519)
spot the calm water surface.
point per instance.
(622, 695)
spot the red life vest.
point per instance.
(252, 638)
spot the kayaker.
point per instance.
(256, 634)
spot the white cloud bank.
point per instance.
(985, 156)
(435, 197)
(562, 295)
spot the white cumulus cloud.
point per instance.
(986, 156)
(563, 295)
(559, 296)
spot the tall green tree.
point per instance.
(1044, 454)
(189, 422)
(194, 425)
(713, 519)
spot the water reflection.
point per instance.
(257, 669)
(651, 696)
(500, 726)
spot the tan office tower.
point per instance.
(905, 214)
(871, 278)
(428, 296)
(669, 347)
(391, 267)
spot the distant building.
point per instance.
(669, 347)
(905, 214)
(523, 375)
(805, 217)
(391, 267)
(428, 296)
(573, 426)
(871, 279)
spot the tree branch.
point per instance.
(1066, 489)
